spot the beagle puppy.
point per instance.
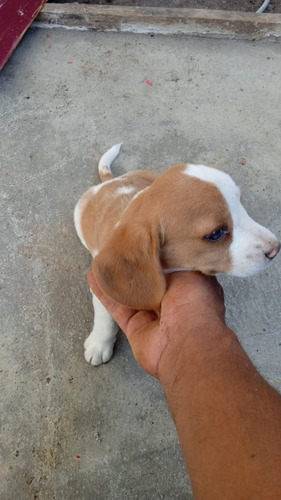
(142, 225)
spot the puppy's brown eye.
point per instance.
(216, 235)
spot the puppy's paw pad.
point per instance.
(97, 352)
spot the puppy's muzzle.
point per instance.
(273, 252)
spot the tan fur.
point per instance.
(163, 226)
(101, 211)
(141, 226)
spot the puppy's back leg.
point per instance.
(99, 345)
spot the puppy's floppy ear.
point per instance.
(128, 269)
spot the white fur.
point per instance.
(139, 192)
(99, 345)
(108, 158)
(77, 221)
(125, 190)
(94, 253)
(251, 242)
(79, 210)
(97, 187)
(175, 270)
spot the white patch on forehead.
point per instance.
(221, 180)
(251, 242)
(125, 190)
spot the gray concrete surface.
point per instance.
(65, 98)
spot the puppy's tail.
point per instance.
(106, 161)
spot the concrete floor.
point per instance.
(70, 430)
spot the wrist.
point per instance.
(191, 346)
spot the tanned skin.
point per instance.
(227, 416)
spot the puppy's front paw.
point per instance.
(98, 351)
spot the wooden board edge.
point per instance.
(159, 20)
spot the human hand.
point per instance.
(191, 303)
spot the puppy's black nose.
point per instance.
(273, 252)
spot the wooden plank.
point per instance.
(15, 18)
(196, 22)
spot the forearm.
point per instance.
(227, 417)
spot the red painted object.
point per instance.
(15, 18)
